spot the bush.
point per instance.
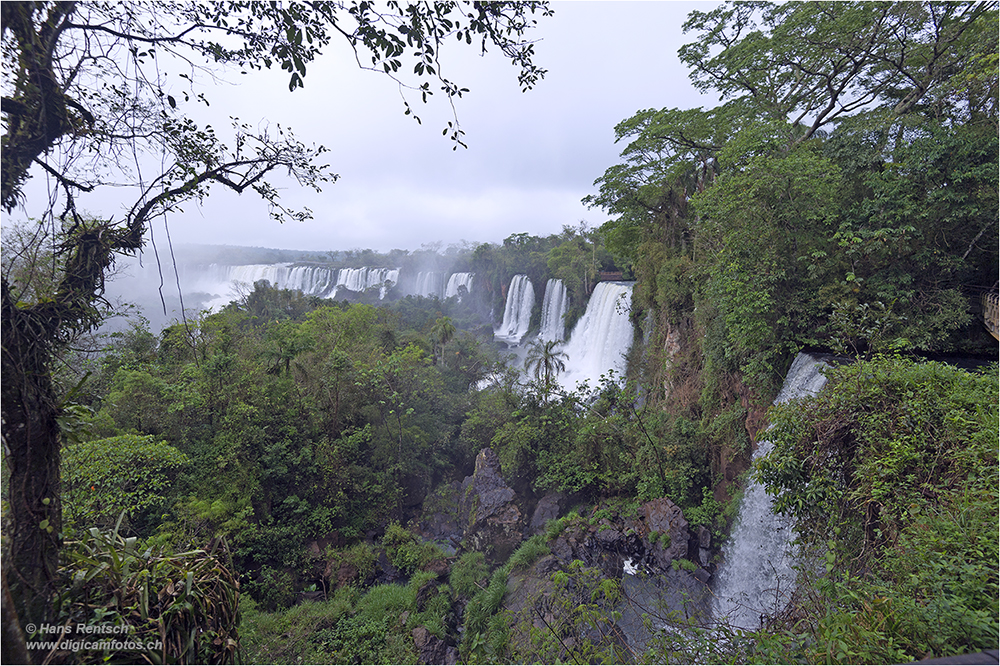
(104, 478)
(892, 472)
(467, 572)
(184, 608)
(406, 551)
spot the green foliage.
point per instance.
(273, 588)
(406, 551)
(486, 628)
(892, 473)
(467, 572)
(573, 620)
(288, 637)
(361, 557)
(127, 474)
(182, 607)
(528, 553)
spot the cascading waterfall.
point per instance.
(362, 279)
(757, 575)
(517, 311)
(310, 280)
(553, 311)
(602, 337)
(430, 284)
(458, 280)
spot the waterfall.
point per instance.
(430, 284)
(458, 280)
(602, 337)
(310, 280)
(362, 279)
(553, 310)
(757, 575)
(517, 311)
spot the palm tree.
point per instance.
(544, 361)
(442, 332)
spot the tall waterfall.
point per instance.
(757, 576)
(430, 284)
(602, 337)
(553, 311)
(458, 280)
(517, 311)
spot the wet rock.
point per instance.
(607, 536)
(431, 649)
(384, 571)
(439, 521)
(562, 550)
(488, 510)
(704, 537)
(547, 509)
(663, 517)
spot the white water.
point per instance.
(553, 311)
(310, 280)
(517, 311)
(430, 284)
(757, 576)
(362, 279)
(602, 337)
(458, 280)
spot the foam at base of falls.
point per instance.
(757, 575)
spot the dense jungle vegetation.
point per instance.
(251, 484)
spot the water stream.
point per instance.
(757, 574)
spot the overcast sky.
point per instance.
(531, 156)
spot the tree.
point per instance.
(815, 194)
(441, 333)
(128, 473)
(88, 99)
(545, 361)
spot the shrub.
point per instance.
(467, 572)
(184, 608)
(892, 472)
(406, 551)
(105, 477)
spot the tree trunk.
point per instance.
(31, 448)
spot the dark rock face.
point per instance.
(431, 649)
(547, 509)
(439, 522)
(663, 517)
(488, 511)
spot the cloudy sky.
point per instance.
(531, 156)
